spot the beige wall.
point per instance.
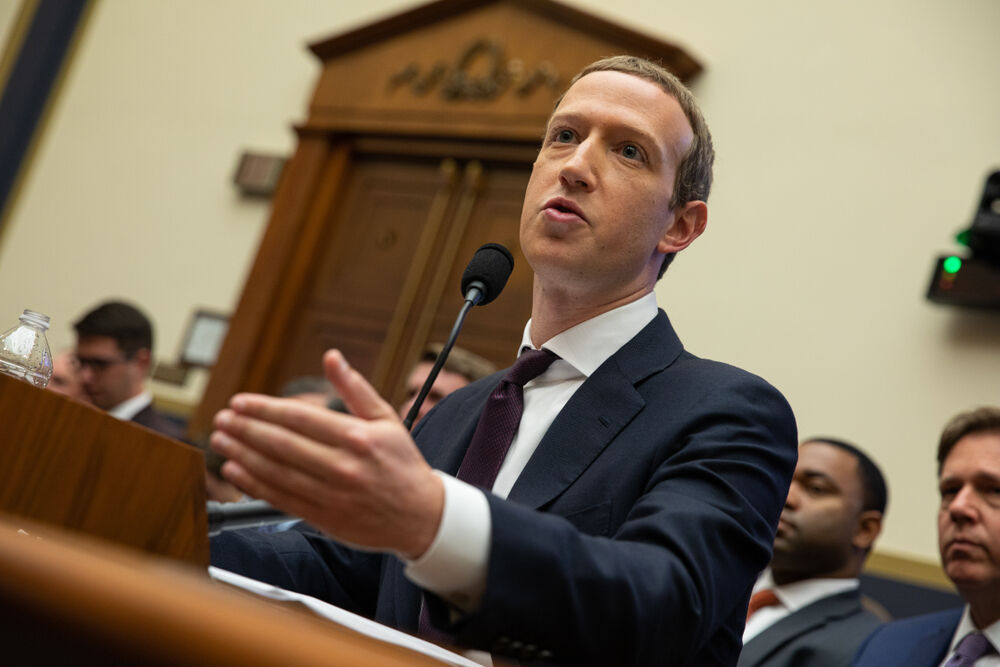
(853, 141)
(8, 16)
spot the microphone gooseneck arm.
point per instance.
(484, 278)
(439, 362)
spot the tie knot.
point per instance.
(973, 646)
(530, 365)
(760, 599)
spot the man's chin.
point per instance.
(966, 573)
(98, 403)
(784, 558)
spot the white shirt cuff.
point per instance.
(455, 565)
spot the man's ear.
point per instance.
(867, 530)
(144, 358)
(689, 221)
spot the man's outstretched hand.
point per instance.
(358, 477)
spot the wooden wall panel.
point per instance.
(364, 265)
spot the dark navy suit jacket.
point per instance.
(633, 536)
(921, 641)
(159, 422)
(825, 633)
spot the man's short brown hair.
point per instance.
(980, 420)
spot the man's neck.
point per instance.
(786, 578)
(985, 608)
(555, 311)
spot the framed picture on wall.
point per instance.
(204, 338)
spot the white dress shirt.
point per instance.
(129, 408)
(992, 633)
(455, 565)
(792, 598)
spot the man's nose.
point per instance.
(792, 501)
(579, 169)
(963, 506)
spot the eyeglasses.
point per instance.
(97, 364)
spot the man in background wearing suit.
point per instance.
(637, 502)
(806, 608)
(114, 352)
(969, 543)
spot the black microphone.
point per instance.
(487, 274)
(483, 280)
(248, 514)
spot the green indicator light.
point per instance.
(952, 264)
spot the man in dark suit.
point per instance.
(114, 351)
(806, 608)
(969, 543)
(639, 496)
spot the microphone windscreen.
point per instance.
(491, 265)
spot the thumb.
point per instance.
(358, 395)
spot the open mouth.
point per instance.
(564, 207)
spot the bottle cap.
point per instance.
(36, 318)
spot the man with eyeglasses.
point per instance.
(114, 344)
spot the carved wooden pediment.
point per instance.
(468, 68)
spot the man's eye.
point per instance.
(564, 136)
(632, 152)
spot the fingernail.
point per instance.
(220, 443)
(230, 471)
(223, 418)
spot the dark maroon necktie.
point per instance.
(496, 428)
(499, 420)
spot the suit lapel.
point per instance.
(799, 623)
(929, 649)
(595, 415)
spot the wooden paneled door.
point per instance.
(386, 273)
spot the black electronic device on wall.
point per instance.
(973, 280)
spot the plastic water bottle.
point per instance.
(24, 352)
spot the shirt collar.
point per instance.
(589, 344)
(129, 408)
(965, 626)
(802, 593)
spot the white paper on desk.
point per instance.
(343, 617)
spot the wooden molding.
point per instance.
(908, 569)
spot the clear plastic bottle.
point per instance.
(24, 351)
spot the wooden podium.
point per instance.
(74, 466)
(69, 598)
